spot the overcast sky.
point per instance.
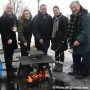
(32, 5)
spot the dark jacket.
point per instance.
(60, 40)
(6, 31)
(42, 28)
(24, 30)
(82, 32)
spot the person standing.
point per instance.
(79, 38)
(8, 35)
(25, 34)
(25, 31)
(59, 37)
(42, 29)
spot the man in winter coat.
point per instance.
(8, 24)
(42, 29)
(79, 38)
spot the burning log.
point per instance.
(29, 80)
(36, 77)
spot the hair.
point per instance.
(77, 2)
(56, 7)
(23, 17)
(42, 5)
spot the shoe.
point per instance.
(59, 70)
(72, 73)
(72, 66)
(84, 73)
(60, 67)
(55, 68)
(79, 77)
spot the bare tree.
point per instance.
(38, 1)
(18, 6)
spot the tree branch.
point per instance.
(18, 6)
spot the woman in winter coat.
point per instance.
(59, 37)
(8, 23)
(25, 31)
(24, 34)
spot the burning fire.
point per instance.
(37, 77)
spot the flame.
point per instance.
(36, 77)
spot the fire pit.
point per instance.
(38, 81)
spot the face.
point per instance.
(75, 8)
(43, 9)
(9, 9)
(27, 15)
(56, 11)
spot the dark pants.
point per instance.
(43, 47)
(24, 49)
(81, 63)
(24, 52)
(8, 55)
(59, 55)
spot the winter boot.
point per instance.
(60, 67)
(55, 68)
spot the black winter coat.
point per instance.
(60, 40)
(6, 31)
(42, 28)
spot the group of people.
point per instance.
(58, 29)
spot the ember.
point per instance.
(36, 77)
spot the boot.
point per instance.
(60, 67)
(55, 68)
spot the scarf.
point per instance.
(55, 26)
(72, 26)
(71, 29)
